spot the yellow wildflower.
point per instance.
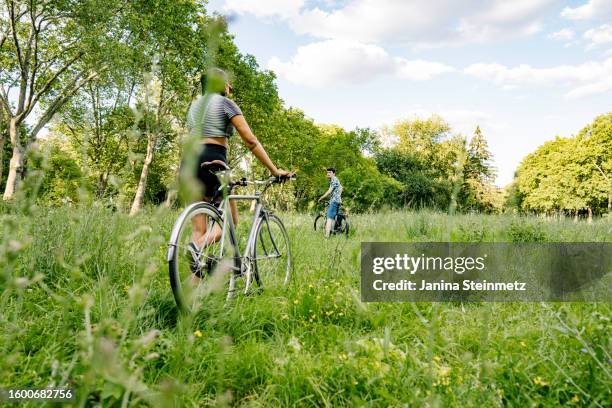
(540, 381)
(444, 371)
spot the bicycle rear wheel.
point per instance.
(344, 226)
(199, 270)
(271, 258)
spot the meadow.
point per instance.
(86, 303)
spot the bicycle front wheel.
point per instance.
(271, 259)
(319, 222)
(200, 259)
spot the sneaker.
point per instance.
(210, 265)
(193, 255)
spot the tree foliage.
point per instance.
(112, 81)
(570, 175)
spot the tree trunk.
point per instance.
(2, 141)
(142, 183)
(3, 129)
(590, 219)
(102, 183)
(576, 215)
(170, 198)
(16, 163)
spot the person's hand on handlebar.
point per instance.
(283, 173)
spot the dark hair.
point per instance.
(213, 80)
(331, 169)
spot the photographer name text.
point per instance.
(466, 285)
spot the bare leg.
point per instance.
(199, 237)
(234, 210)
(328, 227)
(202, 238)
(200, 225)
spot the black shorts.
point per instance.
(210, 182)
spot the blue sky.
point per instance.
(524, 70)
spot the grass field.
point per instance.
(86, 303)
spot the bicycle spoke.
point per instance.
(272, 256)
(195, 269)
(204, 256)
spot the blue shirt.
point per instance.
(336, 187)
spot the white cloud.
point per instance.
(592, 9)
(408, 22)
(502, 19)
(341, 61)
(603, 86)
(419, 70)
(563, 34)
(600, 35)
(585, 79)
(268, 8)
(377, 21)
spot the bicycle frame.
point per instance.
(228, 223)
(245, 267)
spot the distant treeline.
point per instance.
(113, 84)
(570, 176)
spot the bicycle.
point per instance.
(266, 257)
(340, 226)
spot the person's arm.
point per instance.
(328, 192)
(250, 140)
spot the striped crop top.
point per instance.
(210, 115)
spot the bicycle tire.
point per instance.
(319, 222)
(179, 269)
(345, 226)
(269, 247)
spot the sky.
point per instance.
(525, 71)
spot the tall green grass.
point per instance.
(86, 303)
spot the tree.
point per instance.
(3, 135)
(134, 110)
(49, 50)
(97, 123)
(595, 152)
(478, 190)
(175, 38)
(62, 175)
(569, 174)
(427, 160)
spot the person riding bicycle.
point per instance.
(213, 117)
(335, 189)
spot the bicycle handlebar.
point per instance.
(243, 182)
